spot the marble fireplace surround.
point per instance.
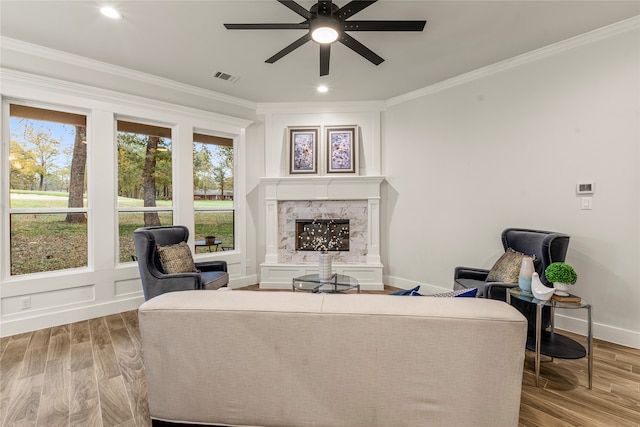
(356, 198)
(291, 210)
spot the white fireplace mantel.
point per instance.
(323, 188)
(319, 188)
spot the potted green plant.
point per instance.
(562, 276)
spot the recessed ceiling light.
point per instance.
(110, 12)
(323, 89)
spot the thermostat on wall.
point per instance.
(585, 188)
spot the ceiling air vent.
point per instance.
(225, 76)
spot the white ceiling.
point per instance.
(185, 41)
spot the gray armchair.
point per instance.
(212, 274)
(548, 247)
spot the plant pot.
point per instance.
(210, 240)
(562, 289)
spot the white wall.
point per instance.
(506, 149)
(254, 169)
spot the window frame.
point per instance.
(143, 209)
(234, 208)
(6, 183)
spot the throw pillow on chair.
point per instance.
(176, 259)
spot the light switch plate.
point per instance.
(587, 203)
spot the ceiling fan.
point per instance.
(327, 23)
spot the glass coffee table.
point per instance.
(339, 283)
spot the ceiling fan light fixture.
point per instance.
(324, 30)
(324, 35)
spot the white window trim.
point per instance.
(5, 179)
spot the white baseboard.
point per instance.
(239, 282)
(47, 319)
(600, 331)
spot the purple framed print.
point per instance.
(303, 149)
(342, 149)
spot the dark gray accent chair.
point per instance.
(548, 247)
(213, 274)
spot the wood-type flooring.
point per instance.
(90, 373)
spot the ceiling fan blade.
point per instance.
(352, 8)
(293, 46)
(296, 8)
(360, 49)
(301, 26)
(384, 25)
(325, 53)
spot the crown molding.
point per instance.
(535, 55)
(105, 95)
(92, 64)
(262, 108)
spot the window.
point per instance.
(213, 197)
(144, 181)
(48, 190)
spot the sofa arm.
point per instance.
(470, 273)
(217, 265)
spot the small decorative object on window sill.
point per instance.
(562, 275)
(526, 271)
(324, 266)
(539, 290)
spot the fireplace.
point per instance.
(334, 214)
(322, 235)
(355, 199)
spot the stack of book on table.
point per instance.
(566, 298)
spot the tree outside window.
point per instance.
(48, 192)
(213, 191)
(144, 181)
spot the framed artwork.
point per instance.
(303, 149)
(342, 149)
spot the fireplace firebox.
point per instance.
(322, 235)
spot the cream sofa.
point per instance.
(243, 358)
